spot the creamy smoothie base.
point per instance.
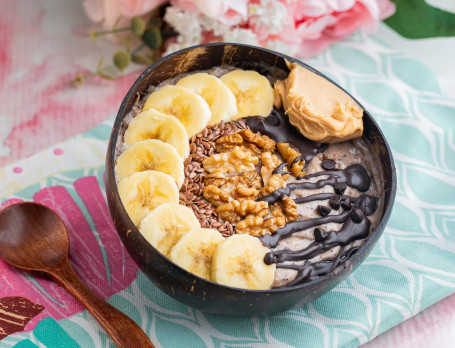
(337, 197)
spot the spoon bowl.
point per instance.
(26, 230)
(33, 238)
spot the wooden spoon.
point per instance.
(33, 238)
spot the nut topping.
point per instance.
(235, 161)
(293, 158)
(215, 195)
(233, 211)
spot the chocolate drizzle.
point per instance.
(365, 202)
(356, 226)
(349, 211)
(280, 169)
(309, 272)
(278, 127)
(354, 176)
(350, 232)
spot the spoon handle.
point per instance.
(122, 329)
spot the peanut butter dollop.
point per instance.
(321, 111)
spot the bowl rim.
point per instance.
(370, 242)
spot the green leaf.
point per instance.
(116, 23)
(105, 76)
(79, 79)
(140, 58)
(122, 59)
(415, 19)
(92, 35)
(153, 38)
(138, 26)
(100, 64)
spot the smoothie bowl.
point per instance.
(242, 181)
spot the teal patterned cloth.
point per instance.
(411, 267)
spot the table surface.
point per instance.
(39, 64)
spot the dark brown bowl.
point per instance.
(177, 282)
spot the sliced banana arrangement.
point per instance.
(239, 262)
(151, 154)
(218, 96)
(252, 90)
(190, 109)
(142, 192)
(194, 251)
(166, 224)
(153, 124)
(150, 172)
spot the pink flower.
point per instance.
(108, 11)
(301, 28)
(229, 12)
(317, 24)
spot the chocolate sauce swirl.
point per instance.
(353, 215)
(310, 272)
(365, 202)
(350, 232)
(356, 226)
(354, 176)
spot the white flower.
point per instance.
(186, 24)
(282, 47)
(239, 35)
(210, 24)
(268, 16)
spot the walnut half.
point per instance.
(235, 210)
(263, 142)
(257, 226)
(236, 161)
(228, 142)
(215, 195)
(285, 208)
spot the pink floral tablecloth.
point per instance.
(42, 49)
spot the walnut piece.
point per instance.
(252, 226)
(275, 182)
(244, 186)
(269, 163)
(236, 161)
(274, 223)
(247, 179)
(244, 192)
(228, 142)
(263, 142)
(285, 208)
(257, 226)
(215, 195)
(290, 208)
(293, 158)
(216, 179)
(235, 210)
(277, 211)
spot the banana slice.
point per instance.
(190, 109)
(144, 191)
(252, 90)
(153, 124)
(194, 251)
(221, 100)
(151, 155)
(166, 224)
(239, 262)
